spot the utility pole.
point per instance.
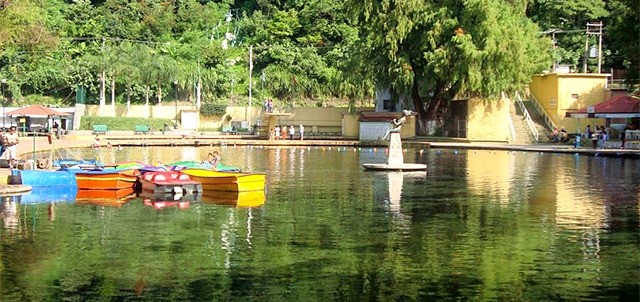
(250, 80)
(593, 29)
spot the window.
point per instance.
(387, 105)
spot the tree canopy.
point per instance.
(427, 52)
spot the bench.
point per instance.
(228, 130)
(100, 129)
(141, 129)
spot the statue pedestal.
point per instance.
(395, 156)
(395, 159)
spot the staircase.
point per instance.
(528, 123)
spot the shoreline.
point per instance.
(41, 144)
(38, 144)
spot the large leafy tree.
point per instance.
(432, 51)
(623, 38)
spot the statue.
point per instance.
(395, 158)
(396, 123)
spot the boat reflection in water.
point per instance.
(167, 200)
(48, 194)
(248, 199)
(104, 197)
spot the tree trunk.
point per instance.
(198, 94)
(102, 90)
(146, 95)
(113, 95)
(159, 94)
(435, 107)
(128, 98)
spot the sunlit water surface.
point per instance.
(478, 225)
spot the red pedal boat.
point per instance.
(170, 182)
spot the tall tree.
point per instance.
(623, 38)
(432, 51)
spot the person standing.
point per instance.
(270, 106)
(272, 134)
(623, 137)
(277, 132)
(292, 132)
(12, 146)
(3, 140)
(301, 132)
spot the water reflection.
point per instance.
(479, 225)
(10, 214)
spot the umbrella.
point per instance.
(36, 111)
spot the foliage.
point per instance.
(122, 123)
(131, 51)
(431, 53)
(567, 16)
(213, 109)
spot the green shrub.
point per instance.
(211, 109)
(123, 123)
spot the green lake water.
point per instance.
(477, 226)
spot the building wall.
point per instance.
(350, 125)
(321, 119)
(488, 120)
(558, 93)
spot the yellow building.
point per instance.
(558, 93)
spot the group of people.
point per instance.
(285, 132)
(598, 137)
(268, 105)
(9, 146)
(213, 159)
(560, 136)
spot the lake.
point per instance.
(478, 225)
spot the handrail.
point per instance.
(527, 118)
(547, 120)
(512, 130)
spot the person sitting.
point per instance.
(555, 136)
(213, 159)
(96, 142)
(564, 136)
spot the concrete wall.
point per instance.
(488, 120)
(558, 93)
(350, 125)
(321, 119)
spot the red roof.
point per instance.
(621, 105)
(36, 110)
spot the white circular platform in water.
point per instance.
(397, 167)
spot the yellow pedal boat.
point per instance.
(227, 181)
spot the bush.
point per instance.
(123, 123)
(211, 109)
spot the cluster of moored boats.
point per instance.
(159, 186)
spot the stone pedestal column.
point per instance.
(395, 150)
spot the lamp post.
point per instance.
(175, 96)
(3, 82)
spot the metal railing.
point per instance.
(527, 118)
(512, 131)
(547, 120)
